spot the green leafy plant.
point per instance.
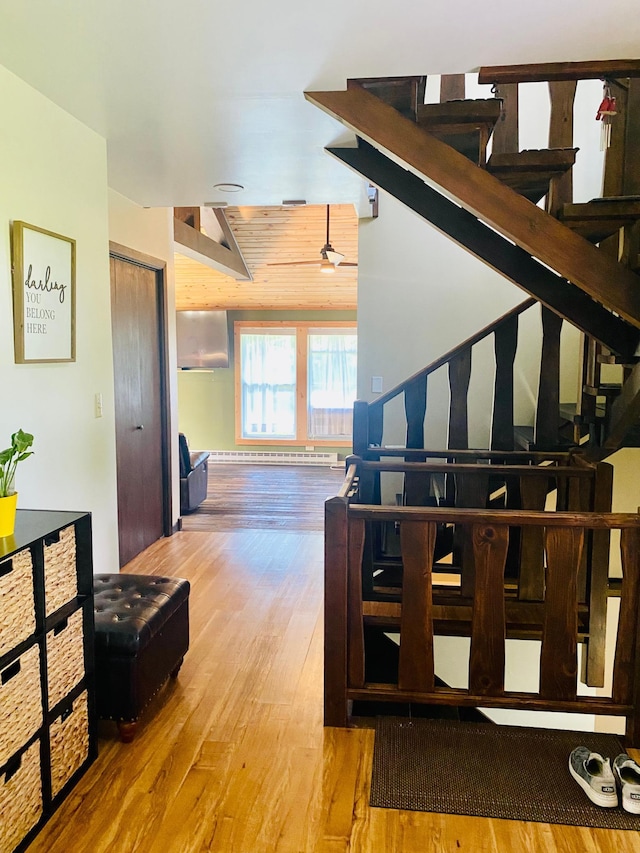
(9, 458)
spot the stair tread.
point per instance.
(530, 160)
(620, 208)
(402, 93)
(529, 172)
(466, 114)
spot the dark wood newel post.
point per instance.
(335, 612)
(360, 427)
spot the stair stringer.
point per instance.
(496, 251)
(481, 194)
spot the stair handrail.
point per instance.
(546, 72)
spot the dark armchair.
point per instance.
(193, 476)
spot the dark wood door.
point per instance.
(138, 363)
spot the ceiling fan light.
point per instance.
(327, 267)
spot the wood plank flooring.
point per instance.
(265, 497)
(232, 757)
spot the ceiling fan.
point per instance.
(329, 258)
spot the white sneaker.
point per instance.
(627, 773)
(593, 773)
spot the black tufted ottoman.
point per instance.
(142, 635)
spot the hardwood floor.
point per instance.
(233, 755)
(265, 497)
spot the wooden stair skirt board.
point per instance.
(480, 193)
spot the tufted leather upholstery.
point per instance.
(142, 635)
(130, 609)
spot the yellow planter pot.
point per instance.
(8, 514)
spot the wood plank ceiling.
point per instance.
(268, 235)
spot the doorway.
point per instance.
(138, 318)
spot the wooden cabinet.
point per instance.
(47, 693)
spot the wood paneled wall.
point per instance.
(269, 235)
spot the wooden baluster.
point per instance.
(335, 612)
(472, 492)
(614, 156)
(626, 678)
(354, 610)
(452, 87)
(622, 169)
(505, 134)
(459, 376)
(533, 495)
(415, 407)
(562, 95)
(559, 653)
(548, 408)
(598, 568)
(488, 628)
(417, 486)
(505, 343)
(416, 667)
(580, 500)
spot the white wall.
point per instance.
(150, 231)
(419, 295)
(53, 174)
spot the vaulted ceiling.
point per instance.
(272, 235)
(191, 94)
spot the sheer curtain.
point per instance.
(332, 369)
(269, 385)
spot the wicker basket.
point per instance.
(17, 606)
(20, 798)
(60, 573)
(65, 657)
(69, 736)
(20, 702)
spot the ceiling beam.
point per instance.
(487, 198)
(198, 246)
(500, 254)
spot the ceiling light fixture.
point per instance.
(228, 188)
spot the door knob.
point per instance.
(140, 426)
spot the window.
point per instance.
(295, 382)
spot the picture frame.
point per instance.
(44, 295)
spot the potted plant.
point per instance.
(9, 458)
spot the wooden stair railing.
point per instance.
(492, 480)
(489, 619)
(466, 126)
(369, 420)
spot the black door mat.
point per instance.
(484, 770)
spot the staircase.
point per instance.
(471, 548)
(579, 260)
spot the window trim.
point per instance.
(301, 328)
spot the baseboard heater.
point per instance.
(274, 457)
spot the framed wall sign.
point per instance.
(44, 294)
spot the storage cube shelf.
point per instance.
(47, 685)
